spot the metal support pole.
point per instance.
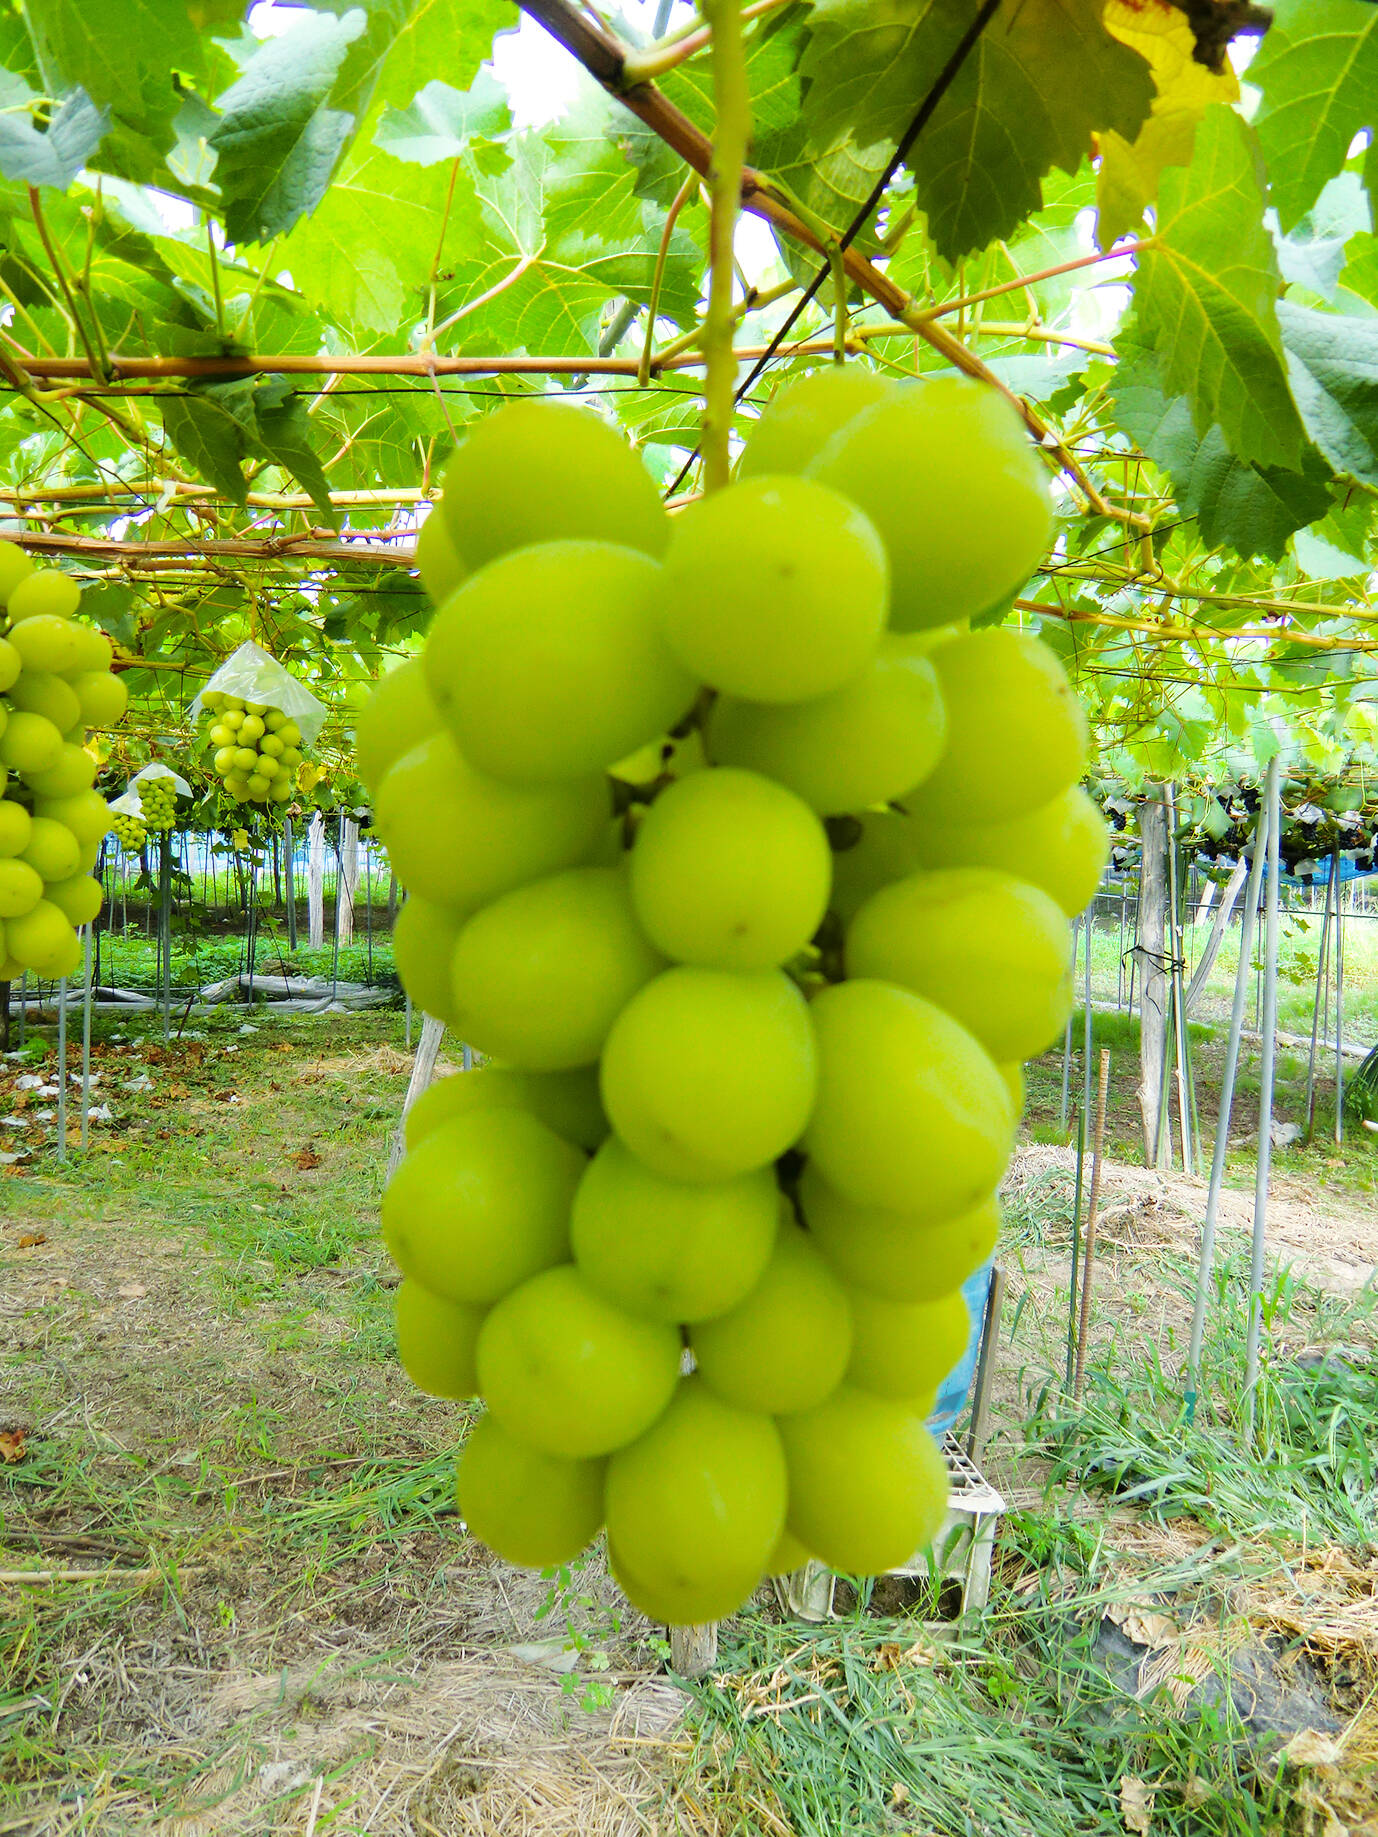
(165, 928)
(1222, 1128)
(1322, 982)
(86, 1039)
(1092, 1215)
(1065, 1106)
(62, 1069)
(1267, 1058)
(1339, 1005)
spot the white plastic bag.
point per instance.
(254, 676)
(130, 804)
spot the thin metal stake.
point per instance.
(1092, 1214)
(1065, 1106)
(1339, 1006)
(1267, 1057)
(62, 1069)
(1322, 982)
(86, 1039)
(1247, 920)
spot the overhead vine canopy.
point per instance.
(259, 268)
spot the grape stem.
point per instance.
(727, 161)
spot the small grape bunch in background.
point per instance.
(257, 748)
(158, 804)
(131, 832)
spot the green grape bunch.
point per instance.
(256, 748)
(158, 803)
(130, 831)
(755, 970)
(56, 683)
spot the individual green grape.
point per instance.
(256, 708)
(21, 887)
(530, 1507)
(731, 871)
(536, 472)
(868, 853)
(274, 720)
(14, 567)
(222, 737)
(666, 1249)
(436, 1340)
(548, 664)
(890, 1254)
(85, 813)
(236, 786)
(867, 742)
(481, 1204)
(788, 1555)
(775, 589)
(461, 838)
(47, 642)
(11, 663)
(44, 591)
(42, 939)
(912, 1114)
(290, 735)
(74, 772)
(784, 1346)
(251, 729)
(539, 976)
(1016, 733)
(904, 1349)
(271, 747)
(1062, 846)
(40, 692)
(708, 1074)
(78, 898)
(15, 822)
(867, 1483)
(423, 942)
(52, 851)
(438, 561)
(696, 1507)
(224, 760)
(232, 717)
(566, 1102)
(989, 949)
(567, 1371)
(244, 758)
(801, 418)
(29, 742)
(948, 475)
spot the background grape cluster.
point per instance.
(748, 863)
(158, 802)
(130, 831)
(55, 683)
(257, 748)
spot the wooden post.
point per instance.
(422, 1071)
(1150, 954)
(693, 1650)
(347, 881)
(315, 883)
(1223, 912)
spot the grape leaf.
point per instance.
(209, 437)
(1044, 76)
(284, 436)
(1129, 171)
(1318, 71)
(441, 121)
(278, 141)
(55, 157)
(124, 53)
(1332, 360)
(1206, 293)
(1249, 509)
(216, 427)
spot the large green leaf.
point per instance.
(1332, 360)
(279, 141)
(216, 427)
(1044, 77)
(1206, 293)
(56, 156)
(126, 55)
(1250, 510)
(1318, 71)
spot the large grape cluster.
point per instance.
(697, 1235)
(158, 802)
(55, 682)
(257, 748)
(130, 831)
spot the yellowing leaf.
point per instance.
(1129, 171)
(1136, 1805)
